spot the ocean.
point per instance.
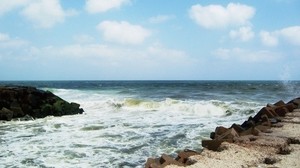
(125, 122)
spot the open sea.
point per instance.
(125, 122)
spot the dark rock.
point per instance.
(270, 160)
(184, 155)
(168, 160)
(6, 114)
(248, 124)
(20, 101)
(279, 103)
(296, 102)
(16, 108)
(290, 106)
(212, 135)
(237, 128)
(251, 131)
(230, 134)
(212, 144)
(269, 111)
(219, 131)
(281, 111)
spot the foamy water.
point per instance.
(117, 130)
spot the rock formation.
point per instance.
(21, 101)
(254, 142)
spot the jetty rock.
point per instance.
(30, 102)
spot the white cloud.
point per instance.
(6, 42)
(98, 6)
(290, 35)
(123, 32)
(46, 13)
(8, 5)
(160, 18)
(243, 34)
(268, 39)
(217, 16)
(248, 56)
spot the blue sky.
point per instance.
(149, 40)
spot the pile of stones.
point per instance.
(269, 116)
(30, 103)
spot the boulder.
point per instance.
(6, 114)
(183, 156)
(20, 101)
(296, 102)
(237, 128)
(279, 103)
(168, 160)
(269, 111)
(212, 144)
(281, 111)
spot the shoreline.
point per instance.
(271, 140)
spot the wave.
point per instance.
(113, 101)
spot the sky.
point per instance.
(149, 40)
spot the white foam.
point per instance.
(114, 130)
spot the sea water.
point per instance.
(125, 122)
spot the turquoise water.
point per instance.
(125, 122)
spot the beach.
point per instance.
(126, 122)
(278, 146)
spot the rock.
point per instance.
(281, 111)
(20, 101)
(237, 128)
(168, 160)
(152, 163)
(251, 131)
(248, 124)
(296, 102)
(270, 160)
(230, 134)
(279, 103)
(184, 155)
(16, 108)
(269, 111)
(6, 114)
(220, 132)
(290, 106)
(212, 144)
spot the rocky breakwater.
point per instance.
(30, 102)
(271, 138)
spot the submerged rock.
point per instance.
(21, 101)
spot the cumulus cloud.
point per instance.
(243, 34)
(244, 55)
(160, 18)
(290, 35)
(8, 5)
(268, 39)
(98, 6)
(46, 13)
(123, 32)
(217, 16)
